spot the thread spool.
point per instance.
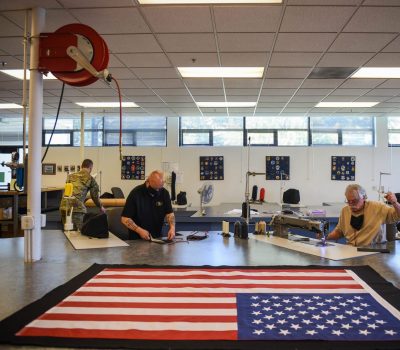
(244, 210)
(225, 229)
(245, 230)
(254, 193)
(262, 194)
(237, 229)
(256, 229)
(262, 227)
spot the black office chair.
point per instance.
(117, 192)
(291, 196)
(115, 225)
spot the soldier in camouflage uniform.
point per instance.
(82, 183)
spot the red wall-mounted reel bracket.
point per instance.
(53, 55)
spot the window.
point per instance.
(11, 131)
(277, 131)
(211, 131)
(136, 131)
(394, 131)
(104, 131)
(344, 130)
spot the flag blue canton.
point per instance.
(314, 316)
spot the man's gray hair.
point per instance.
(358, 188)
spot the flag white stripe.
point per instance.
(376, 296)
(140, 311)
(283, 289)
(221, 274)
(142, 326)
(126, 299)
(202, 282)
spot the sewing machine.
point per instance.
(281, 223)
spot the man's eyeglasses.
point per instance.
(353, 201)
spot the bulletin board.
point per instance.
(343, 168)
(133, 167)
(277, 168)
(212, 168)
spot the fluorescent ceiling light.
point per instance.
(9, 106)
(188, 2)
(346, 104)
(377, 72)
(221, 72)
(226, 104)
(19, 74)
(106, 104)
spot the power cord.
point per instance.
(55, 122)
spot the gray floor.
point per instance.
(21, 283)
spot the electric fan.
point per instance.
(206, 193)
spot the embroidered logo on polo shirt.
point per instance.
(159, 204)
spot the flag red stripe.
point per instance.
(206, 277)
(127, 334)
(222, 285)
(147, 305)
(136, 318)
(218, 270)
(155, 294)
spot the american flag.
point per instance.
(221, 304)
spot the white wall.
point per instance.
(309, 168)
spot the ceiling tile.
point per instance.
(321, 83)
(163, 83)
(162, 73)
(336, 59)
(246, 18)
(131, 43)
(245, 42)
(112, 20)
(281, 83)
(290, 73)
(144, 59)
(361, 42)
(385, 60)
(315, 18)
(178, 19)
(244, 59)
(195, 59)
(294, 59)
(304, 42)
(194, 42)
(375, 19)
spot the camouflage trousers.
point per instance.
(77, 219)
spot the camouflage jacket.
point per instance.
(82, 183)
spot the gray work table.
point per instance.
(214, 215)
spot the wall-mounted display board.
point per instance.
(343, 168)
(212, 168)
(277, 168)
(133, 167)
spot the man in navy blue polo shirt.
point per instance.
(146, 208)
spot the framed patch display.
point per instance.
(277, 168)
(212, 168)
(343, 168)
(48, 169)
(133, 167)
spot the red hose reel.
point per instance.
(55, 54)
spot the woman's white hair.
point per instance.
(358, 188)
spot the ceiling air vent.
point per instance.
(331, 72)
